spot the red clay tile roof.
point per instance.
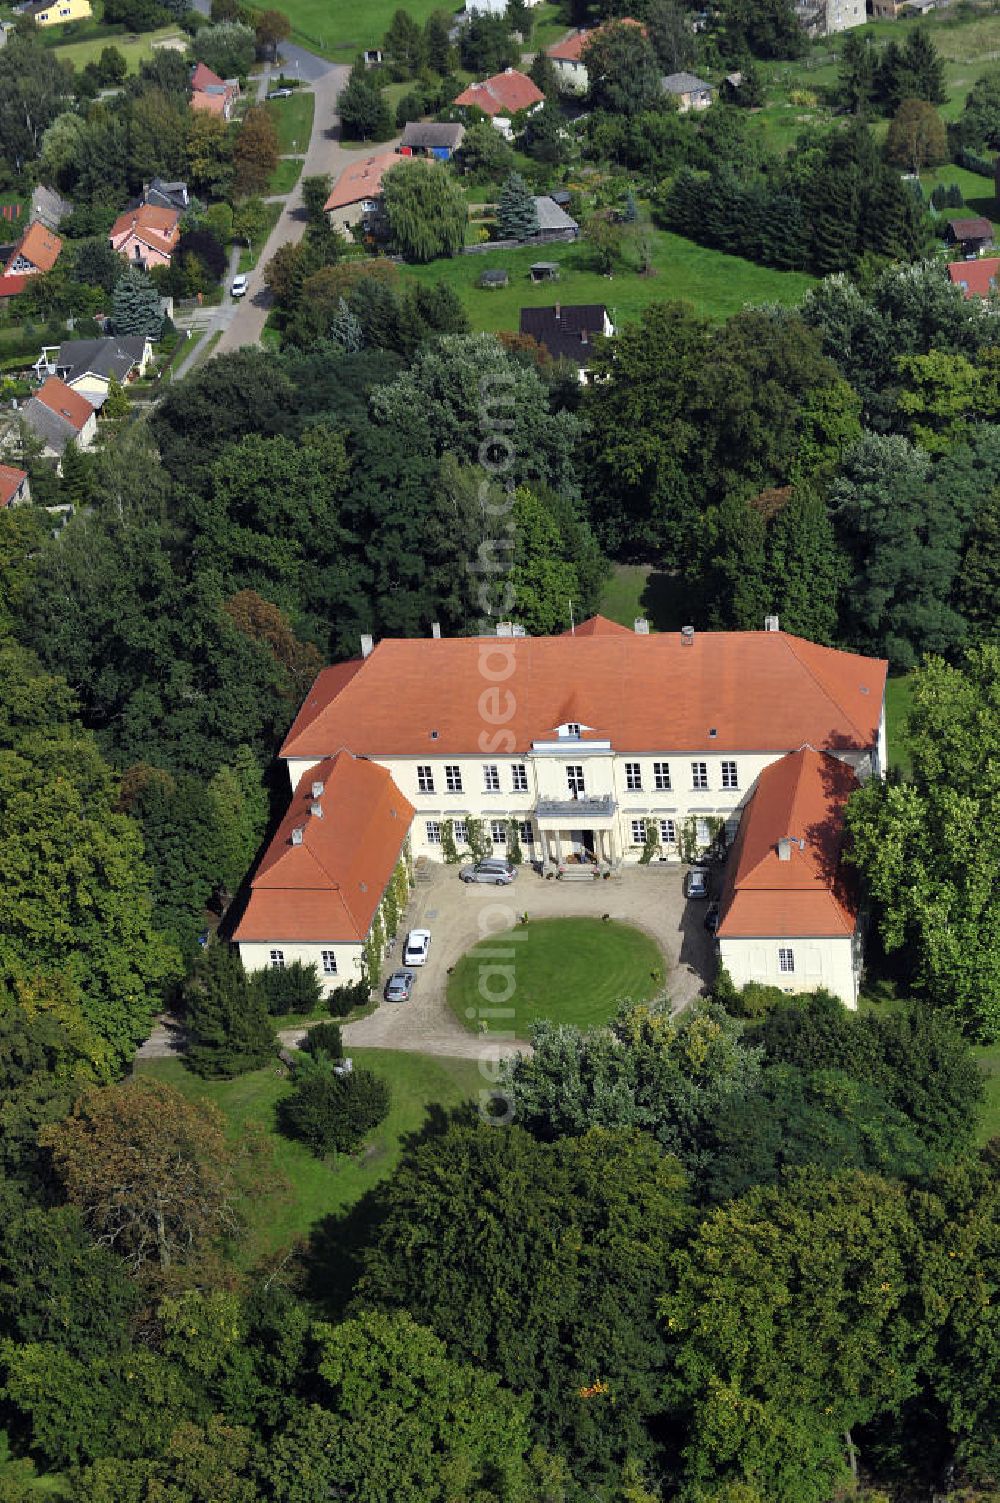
(571, 47)
(759, 691)
(598, 626)
(362, 179)
(329, 886)
(11, 286)
(503, 94)
(65, 402)
(810, 895)
(202, 77)
(976, 278)
(11, 481)
(158, 227)
(39, 246)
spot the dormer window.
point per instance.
(571, 729)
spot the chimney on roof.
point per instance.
(367, 644)
(687, 636)
(317, 789)
(436, 630)
(297, 835)
(785, 846)
(771, 623)
(641, 626)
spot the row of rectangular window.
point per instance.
(328, 960)
(575, 781)
(661, 776)
(491, 778)
(498, 831)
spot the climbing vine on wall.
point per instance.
(651, 844)
(687, 836)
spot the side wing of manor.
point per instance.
(598, 745)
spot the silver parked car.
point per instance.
(399, 986)
(696, 883)
(491, 869)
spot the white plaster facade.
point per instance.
(662, 786)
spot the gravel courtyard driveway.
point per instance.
(459, 915)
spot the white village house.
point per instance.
(592, 746)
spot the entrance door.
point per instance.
(588, 842)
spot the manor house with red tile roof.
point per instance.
(600, 745)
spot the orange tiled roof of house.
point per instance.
(735, 691)
(11, 481)
(503, 94)
(976, 278)
(598, 626)
(65, 402)
(159, 227)
(202, 77)
(328, 880)
(800, 798)
(362, 179)
(37, 245)
(570, 49)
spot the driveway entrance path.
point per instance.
(458, 916)
(325, 154)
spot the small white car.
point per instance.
(418, 943)
(239, 287)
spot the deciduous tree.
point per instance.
(426, 210)
(255, 155)
(916, 137)
(150, 1170)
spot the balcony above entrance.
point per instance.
(576, 812)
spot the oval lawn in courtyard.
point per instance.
(570, 970)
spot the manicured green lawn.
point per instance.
(135, 50)
(623, 592)
(898, 698)
(293, 119)
(347, 27)
(285, 175)
(989, 1059)
(317, 1188)
(715, 284)
(573, 970)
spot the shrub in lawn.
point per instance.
(331, 1112)
(291, 988)
(325, 1039)
(344, 999)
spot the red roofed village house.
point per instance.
(146, 235)
(567, 58)
(501, 96)
(590, 743)
(357, 193)
(976, 278)
(37, 251)
(215, 95)
(14, 490)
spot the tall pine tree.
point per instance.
(229, 1030)
(135, 304)
(806, 568)
(517, 216)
